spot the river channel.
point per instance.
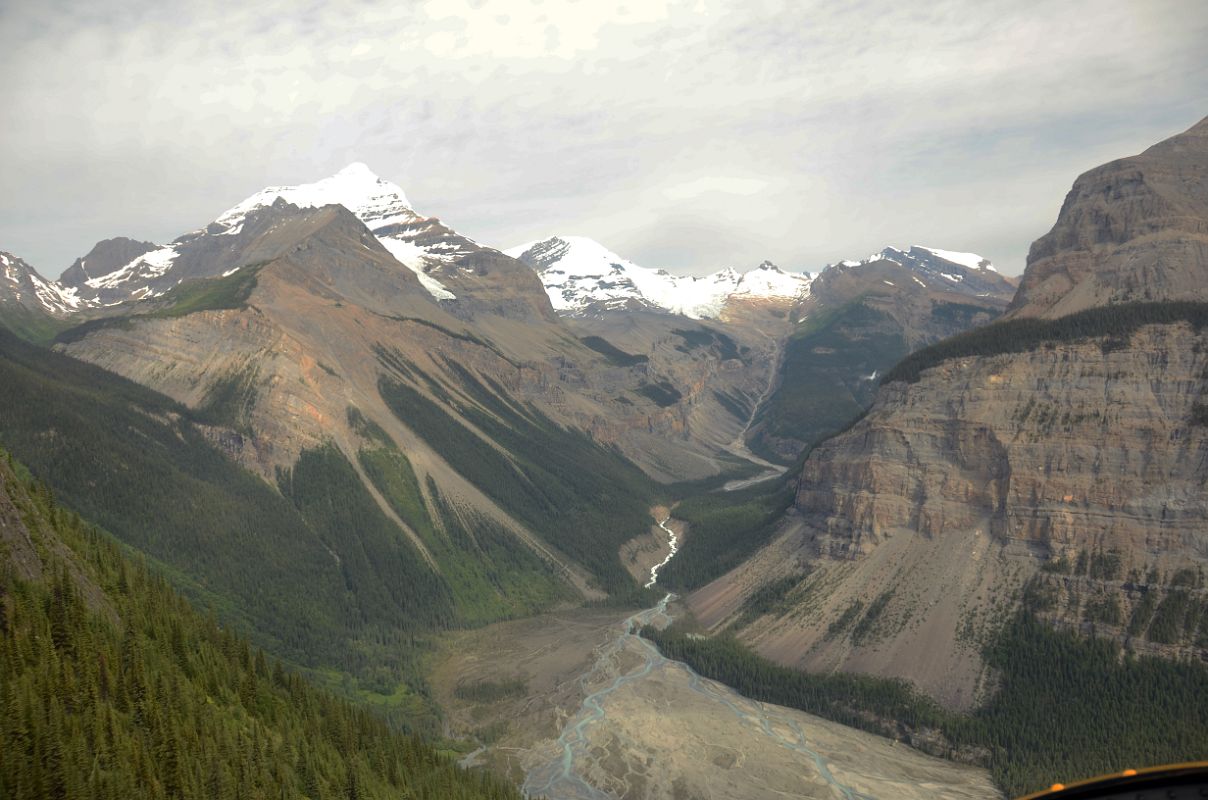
(563, 777)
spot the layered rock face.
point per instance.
(1070, 477)
(1071, 444)
(1134, 229)
(1060, 450)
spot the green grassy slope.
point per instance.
(490, 574)
(32, 326)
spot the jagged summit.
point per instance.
(768, 281)
(105, 256)
(120, 270)
(22, 285)
(582, 275)
(917, 255)
(967, 260)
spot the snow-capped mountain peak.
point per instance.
(376, 202)
(770, 281)
(967, 260)
(120, 270)
(941, 270)
(581, 274)
(573, 255)
(925, 259)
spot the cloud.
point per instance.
(684, 134)
(715, 185)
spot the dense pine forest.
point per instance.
(312, 570)
(1067, 707)
(140, 465)
(1116, 322)
(726, 528)
(114, 687)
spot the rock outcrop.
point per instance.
(1063, 449)
(106, 256)
(1133, 229)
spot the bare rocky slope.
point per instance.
(1066, 474)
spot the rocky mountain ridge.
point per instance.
(296, 320)
(583, 277)
(451, 267)
(1134, 229)
(942, 270)
(859, 319)
(24, 286)
(1066, 474)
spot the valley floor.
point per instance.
(576, 705)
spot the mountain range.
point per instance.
(583, 277)
(349, 429)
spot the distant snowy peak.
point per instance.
(581, 275)
(942, 270)
(575, 255)
(770, 281)
(419, 243)
(105, 256)
(926, 257)
(139, 274)
(578, 273)
(21, 284)
(966, 260)
(376, 202)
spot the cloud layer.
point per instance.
(691, 135)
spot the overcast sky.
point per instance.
(691, 135)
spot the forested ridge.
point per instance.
(725, 529)
(489, 572)
(315, 573)
(1067, 707)
(1114, 322)
(113, 686)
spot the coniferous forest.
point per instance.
(1025, 334)
(113, 686)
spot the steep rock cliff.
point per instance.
(1133, 229)
(1069, 476)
